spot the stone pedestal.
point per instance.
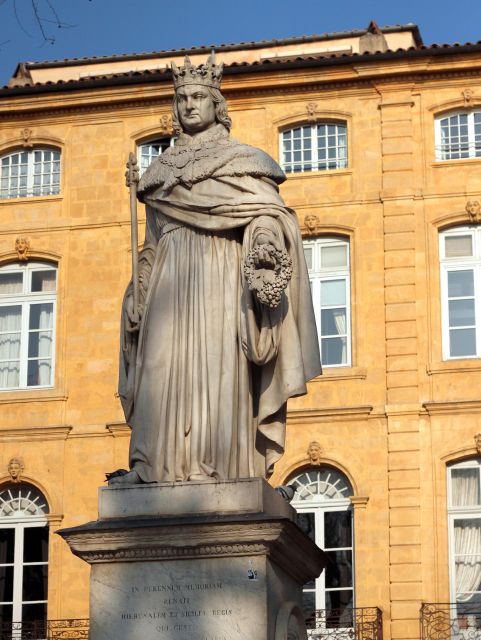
(196, 561)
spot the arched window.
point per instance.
(27, 325)
(23, 554)
(322, 497)
(464, 509)
(148, 151)
(460, 254)
(327, 261)
(314, 147)
(458, 135)
(34, 172)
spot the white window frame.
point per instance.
(19, 522)
(319, 274)
(149, 143)
(459, 513)
(465, 150)
(51, 188)
(25, 300)
(340, 161)
(318, 505)
(463, 263)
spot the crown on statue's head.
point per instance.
(208, 74)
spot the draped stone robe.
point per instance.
(204, 384)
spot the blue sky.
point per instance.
(103, 27)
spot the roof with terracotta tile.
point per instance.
(278, 63)
(254, 44)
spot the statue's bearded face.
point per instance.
(196, 108)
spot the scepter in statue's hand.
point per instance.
(132, 180)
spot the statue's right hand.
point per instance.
(134, 316)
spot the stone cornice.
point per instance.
(16, 397)
(25, 434)
(85, 100)
(359, 502)
(337, 414)
(454, 406)
(118, 429)
(54, 519)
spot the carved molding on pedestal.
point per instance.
(278, 540)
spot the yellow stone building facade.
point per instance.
(386, 184)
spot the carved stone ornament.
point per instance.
(311, 224)
(166, 124)
(477, 442)
(473, 209)
(468, 95)
(22, 247)
(314, 452)
(26, 135)
(15, 469)
(311, 108)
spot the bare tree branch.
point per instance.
(41, 13)
(39, 22)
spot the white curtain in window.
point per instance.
(467, 541)
(10, 323)
(46, 280)
(10, 318)
(46, 316)
(45, 344)
(465, 487)
(340, 320)
(44, 372)
(11, 283)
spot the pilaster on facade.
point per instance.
(402, 389)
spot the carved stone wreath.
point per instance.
(268, 284)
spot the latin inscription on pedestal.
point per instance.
(223, 599)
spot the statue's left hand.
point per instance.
(134, 316)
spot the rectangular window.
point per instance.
(30, 173)
(149, 151)
(461, 292)
(27, 326)
(464, 510)
(317, 147)
(458, 136)
(328, 265)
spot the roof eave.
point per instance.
(165, 75)
(260, 44)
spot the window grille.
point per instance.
(317, 147)
(30, 173)
(458, 136)
(149, 151)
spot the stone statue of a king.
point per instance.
(227, 331)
